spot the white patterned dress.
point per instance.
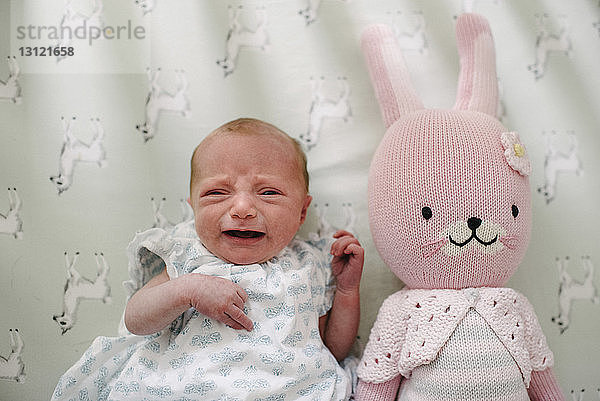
(198, 358)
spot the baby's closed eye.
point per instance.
(215, 192)
(270, 192)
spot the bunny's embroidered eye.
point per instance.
(426, 212)
(515, 211)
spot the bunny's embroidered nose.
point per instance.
(474, 223)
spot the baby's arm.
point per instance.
(162, 300)
(339, 327)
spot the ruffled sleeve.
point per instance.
(154, 250)
(539, 353)
(146, 254)
(380, 359)
(177, 250)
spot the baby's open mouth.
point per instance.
(244, 233)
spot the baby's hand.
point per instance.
(347, 263)
(219, 299)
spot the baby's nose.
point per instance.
(243, 207)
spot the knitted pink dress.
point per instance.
(423, 334)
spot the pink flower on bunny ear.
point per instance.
(515, 153)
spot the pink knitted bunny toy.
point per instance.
(450, 214)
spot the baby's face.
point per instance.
(249, 199)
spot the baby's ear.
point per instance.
(305, 206)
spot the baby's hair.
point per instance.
(253, 126)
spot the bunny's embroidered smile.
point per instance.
(483, 234)
(473, 227)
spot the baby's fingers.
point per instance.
(241, 298)
(342, 233)
(229, 322)
(355, 249)
(339, 247)
(239, 319)
(242, 293)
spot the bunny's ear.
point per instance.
(477, 84)
(389, 75)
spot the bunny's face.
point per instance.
(446, 207)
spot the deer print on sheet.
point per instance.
(146, 5)
(410, 31)
(570, 290)
(548, 42)
(11, 223)
(10, 90)
(79, 287)
(580, 394)
(75, 151)
(12, 368)
(323, 107)
(325, 229)
(468, 6)
(161, 221)
(558, 162)
(73, 19)
(159, 100)
(310, 12)
(241, 37)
